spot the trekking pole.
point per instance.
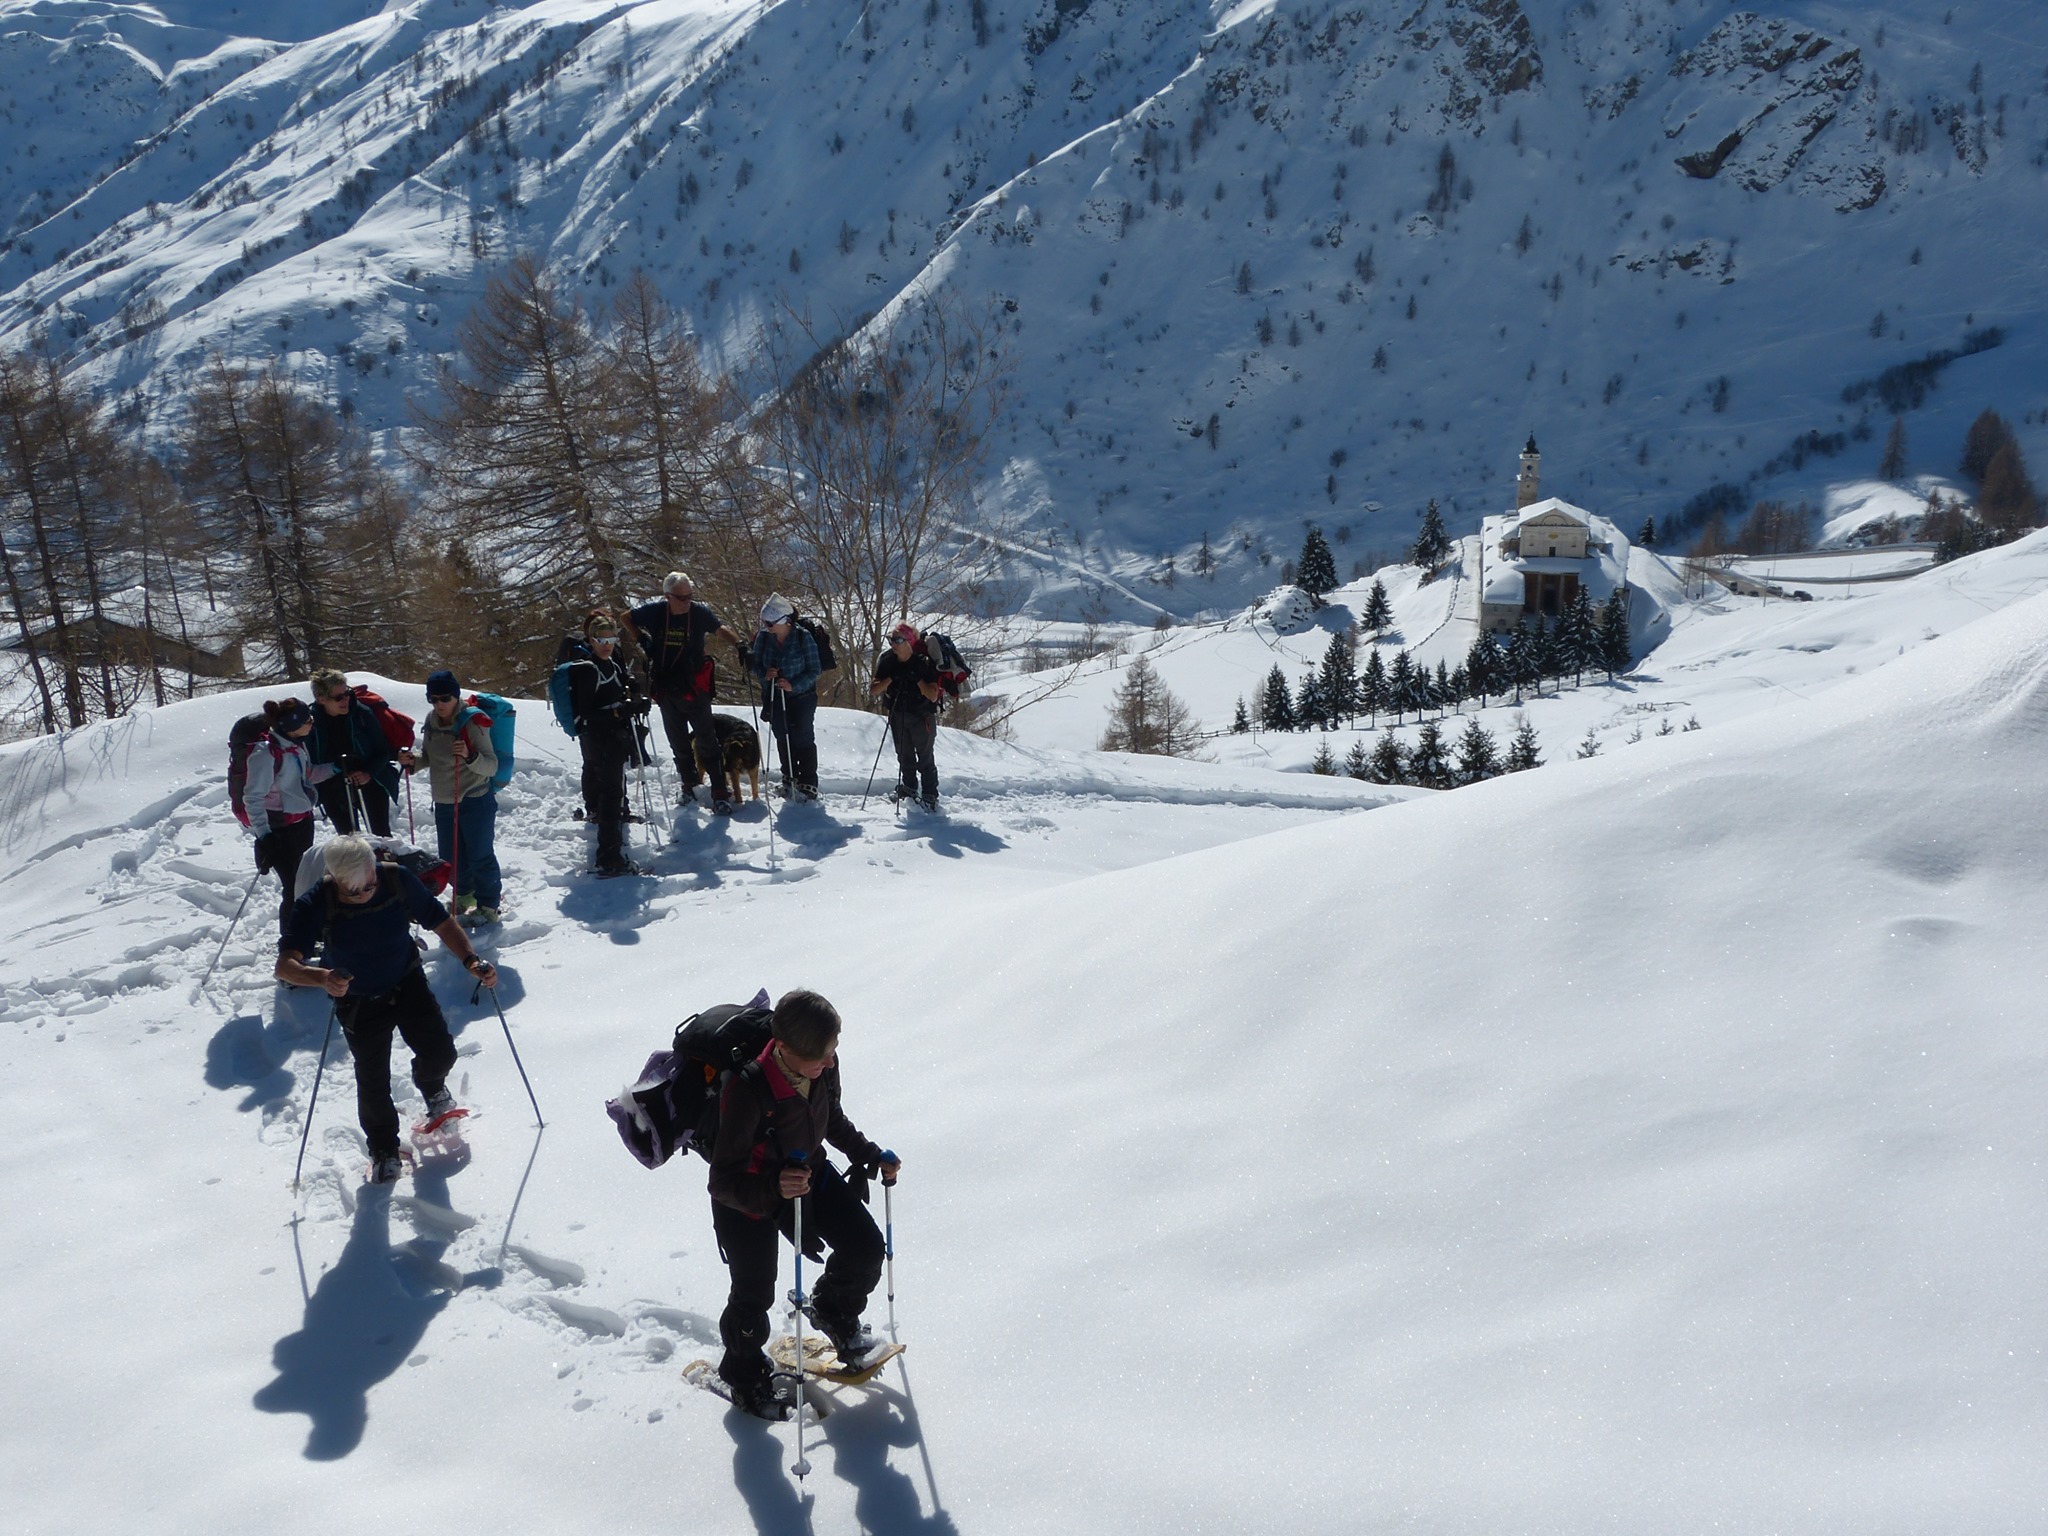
(876, 767)
(773, 857)
(320, 1067)
(412, 831)
(514, 1049)
(221, 949)
(889, 1236)
(356, 806)
(800, 1467)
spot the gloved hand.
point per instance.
(263, 864)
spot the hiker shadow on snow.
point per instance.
(859, 1435)
(618, 909)
(246, 1052)
(813, 834)
(946, 837)
(363, 1320)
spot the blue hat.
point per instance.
(294, 714)
(442, 685)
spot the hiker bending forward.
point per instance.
(359, 919)
(783, 1103)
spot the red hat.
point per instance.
(903, 632)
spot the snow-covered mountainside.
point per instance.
(1255, 263)
(1648, 1144)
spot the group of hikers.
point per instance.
(348, 911)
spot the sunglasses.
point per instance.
(440, 698)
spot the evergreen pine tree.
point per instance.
(1276, 704)
(1577, 639)
(1893, 465)
(1427, 764)
(1338, 681)
(1205, 560)
(1440, 693)
(1482, 667)
(1614, 637)
(1542, 659)
(1401, 686)
(1316, 571)
(1522, 752)
(1354, 760)
(1325, 761)
(1388, 763)
(1310, 710)
(1241, 722)
(1379, 613)
(1589, 744)
(1432, 545)
(1988, 433)
(1372, 686)
(1507, 678)
(2008, 502)
(1478, 756)
(1647, 536)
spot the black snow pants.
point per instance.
(367, 1023)
(834, 1216)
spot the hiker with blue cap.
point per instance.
(455, 741)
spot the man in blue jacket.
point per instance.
(359, 920)
(347, 737)
(785, 659)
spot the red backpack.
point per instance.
(397, 728)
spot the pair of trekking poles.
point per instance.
(801, 1466)
(320, 1068)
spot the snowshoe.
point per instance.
(441, 1110)
(386, 1168)
(619, 867)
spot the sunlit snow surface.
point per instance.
(1644, 1144)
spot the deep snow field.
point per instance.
(1645, 1144)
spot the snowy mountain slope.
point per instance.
(1683, 246)
(1653, 1146)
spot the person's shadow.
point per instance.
(860, 1435)
(362, 1321)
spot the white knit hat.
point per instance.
(776, 609)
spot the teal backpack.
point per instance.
(500, 713)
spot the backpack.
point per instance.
(820, 637)
(397, 727)
(673, 1105)
(498, 713)
(561, 696)
(242, 735)
(945, 655)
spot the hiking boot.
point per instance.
(464, 905)
(632, 816)
(439, 1102)
(387, 1168)
(772, 1397)
(929, 802)
(579, 814)
(807, 794)
(614, 867)
(852, 1341)
(487, 914)
(721, 806)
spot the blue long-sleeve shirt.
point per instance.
(795, 658)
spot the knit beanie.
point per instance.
(775, 610)
(442, 685)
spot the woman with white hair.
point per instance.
(359, 919)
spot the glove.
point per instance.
(263, 854)
(642, 706)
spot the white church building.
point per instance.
(1538, 557)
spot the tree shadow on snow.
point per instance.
(362, 1321)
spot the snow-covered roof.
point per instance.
(1553, 507)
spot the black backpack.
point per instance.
(826, 660)
(673, 1105)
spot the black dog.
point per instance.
(739, 746)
